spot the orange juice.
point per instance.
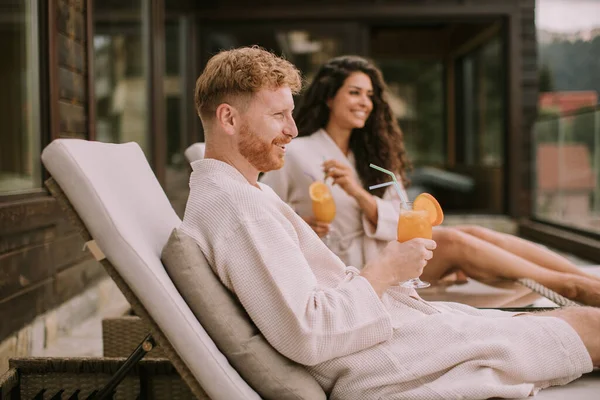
(323, 204)
(324, 211)
(413, 224)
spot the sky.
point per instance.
(567, 15)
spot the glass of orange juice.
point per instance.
(323, 205)
(416, 221)
(413, 224)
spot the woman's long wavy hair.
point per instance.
(379, 142)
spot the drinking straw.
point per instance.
(381, 185)
(310, 176)
(394, 182)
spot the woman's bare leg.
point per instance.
(525, 249)
(485, 261)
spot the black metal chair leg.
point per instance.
(108, 390)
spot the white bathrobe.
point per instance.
(354, 238)
(318, 312)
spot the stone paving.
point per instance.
(84, 340)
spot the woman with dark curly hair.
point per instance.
(345, 124)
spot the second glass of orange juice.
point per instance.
(413, 224)
(416, 221)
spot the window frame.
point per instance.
(39, 50)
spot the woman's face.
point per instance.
(352, 104)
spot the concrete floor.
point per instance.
(84, 340)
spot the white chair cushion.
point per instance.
(116, 194)
(195, 152)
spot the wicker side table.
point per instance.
(30, 378)
(120, 337)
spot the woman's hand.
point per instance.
(343, 176)
(320, 228)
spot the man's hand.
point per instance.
(398, 262)
(320, 228)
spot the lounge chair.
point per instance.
(195, 152)
(119, 205)
(111, 194)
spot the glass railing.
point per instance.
(566, 170)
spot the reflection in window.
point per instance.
(416, 96)
(307, 49)
(19, 107)
(177, 168)
(567, 161)
(120, 66)
(483, 98)
(566, 147)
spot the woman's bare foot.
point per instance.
(587, 291)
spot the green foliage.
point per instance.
(568, 66)
(583, 129)
(546, 81)
(572, 65)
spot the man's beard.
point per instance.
(258, 152)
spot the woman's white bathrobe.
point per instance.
(317, 311)
(354, 239)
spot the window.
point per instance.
(19, 98)
(483, 89)
(121, 73)
(416, 95)
(566, 137)
(177, 89)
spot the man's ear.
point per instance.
(227, 117)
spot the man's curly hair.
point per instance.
(379, 142)
(238, 73)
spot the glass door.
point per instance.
(481, 126)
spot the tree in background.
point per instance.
(572, 65)
(545, 79)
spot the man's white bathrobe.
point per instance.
(321, 313)
(354, 239)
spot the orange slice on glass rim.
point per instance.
(319, 191)
(426, 202)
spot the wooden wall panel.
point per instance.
(19, 310)
(42, 262)
(72, 86)
(70, 19)
(73, 118)
(72, 281)
(529, 84)
(27, 215)
(70, 53)
(71, 70)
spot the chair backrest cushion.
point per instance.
(195, 152)
(115, 193)
(271, 374)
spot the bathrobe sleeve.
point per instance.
(263, 265)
